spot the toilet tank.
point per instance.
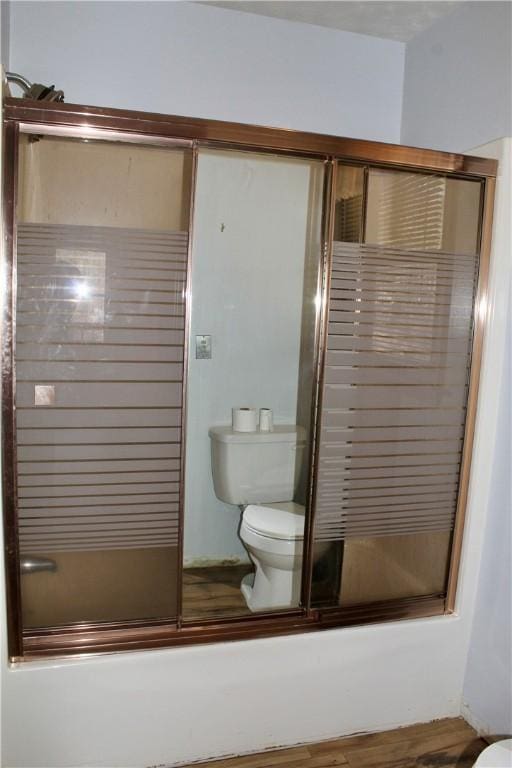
(256, 467)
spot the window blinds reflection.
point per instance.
(100, 318)
(411, 210)
(424, 212)
(394, 391)
(348, 211)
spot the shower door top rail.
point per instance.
(220, 132)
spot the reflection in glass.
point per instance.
(256, 252)
(102, 233)
(348, 211)
(418, 211)
(394, 567)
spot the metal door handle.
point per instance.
(31, 564)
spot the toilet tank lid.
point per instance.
(282, 433)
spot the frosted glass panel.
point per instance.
(108, 402)
(394, 392)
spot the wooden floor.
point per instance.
(442, 744)
(213, 592)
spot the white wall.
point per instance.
(5, 11)
(458, 79)
(167, 707)
(487, 697)
(251, 232)
(189, 59)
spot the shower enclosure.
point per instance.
(159, 271)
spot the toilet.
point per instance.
(498, 755)
(257, 471)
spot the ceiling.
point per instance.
(401, 20)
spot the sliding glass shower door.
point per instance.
(395, 385)
(102, 243)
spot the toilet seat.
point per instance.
(282, 521)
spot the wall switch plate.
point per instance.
(44, 394)
(203, 347)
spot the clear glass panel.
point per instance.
(391, 567)
(422, 211)
(102, 258)
(255, 282)
(394, 392)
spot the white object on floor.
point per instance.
(498, 755)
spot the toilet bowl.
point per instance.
(273, 535)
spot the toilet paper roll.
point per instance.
(244, 419)
(266, 420)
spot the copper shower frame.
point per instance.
(78, 121)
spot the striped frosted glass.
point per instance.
(394, 391)
(99, 376)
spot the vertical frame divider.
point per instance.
(481, 310)
(9, 443)
(184, 393)
(364, 203)
(328, 209)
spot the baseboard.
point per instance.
(258, 753)
(214, 562)
(482, 728)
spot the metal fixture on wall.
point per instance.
(34, 91)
